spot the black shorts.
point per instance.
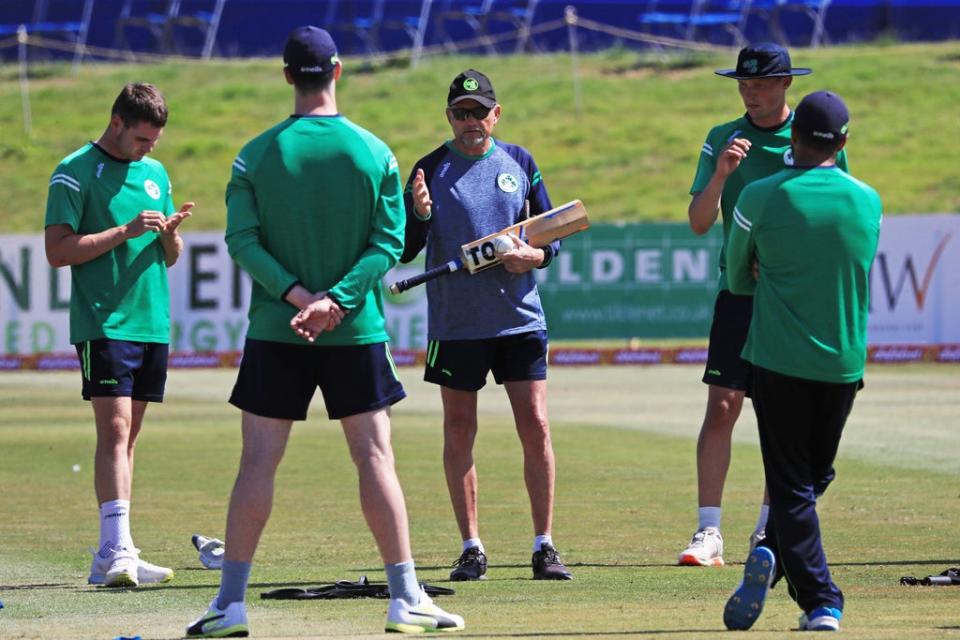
(464, 364)
(123, 369)
(728, 333)
(278, 379)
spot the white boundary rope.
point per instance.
(41, 42)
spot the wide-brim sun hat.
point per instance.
(763, 60)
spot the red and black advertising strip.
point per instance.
(949, 353)
(638, 356)
(195, 360)
(576, 357)
(56, 362)
(900, 353)
(690, 355)
(407, 357)
(565, 357)
(11, 363)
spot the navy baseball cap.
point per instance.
(310, 50)
(472, 85)
(763, 60)
(823, 115)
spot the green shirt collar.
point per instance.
(451, 147)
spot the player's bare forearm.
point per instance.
(705, 206)
(170, 238)
(172, 247)
(300, 297)
(65, 248)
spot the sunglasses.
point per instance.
(477, 113)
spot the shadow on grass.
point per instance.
(587, 634)
(152, 588)
(215, 576)
(662, 565)
(570, 565)
(45, 585)
(893, 563)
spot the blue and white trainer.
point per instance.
(745, 605)
(821, 619)
(425, 617)
(221, 623)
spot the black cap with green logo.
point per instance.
(822, 114)
(472, 85)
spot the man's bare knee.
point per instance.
(459, 433)
(723, 409)
(114, 434)
(372, 459)
(535, 436)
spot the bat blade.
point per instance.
(538, 231)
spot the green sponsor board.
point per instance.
(607, 282)
(625, 281)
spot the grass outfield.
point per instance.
(630, 155)
(624, 439)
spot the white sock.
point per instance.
(539, 541)
(469, 543)
(115, 524)
(762, 520)
(709, 517)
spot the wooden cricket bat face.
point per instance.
(538, 231)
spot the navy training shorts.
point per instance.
(728, 333)
(120, 368)
(464, 364)
(278, 379)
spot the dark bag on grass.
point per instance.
(947, 578)
(362, 588)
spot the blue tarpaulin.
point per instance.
(259, 28)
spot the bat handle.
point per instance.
(420, 278)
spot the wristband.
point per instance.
(547, 257)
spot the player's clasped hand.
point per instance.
(732, 155)
(145, 221)
(149, 220)
(319, 316)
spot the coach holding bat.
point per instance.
(469, 187)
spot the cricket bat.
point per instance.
(479, 255)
